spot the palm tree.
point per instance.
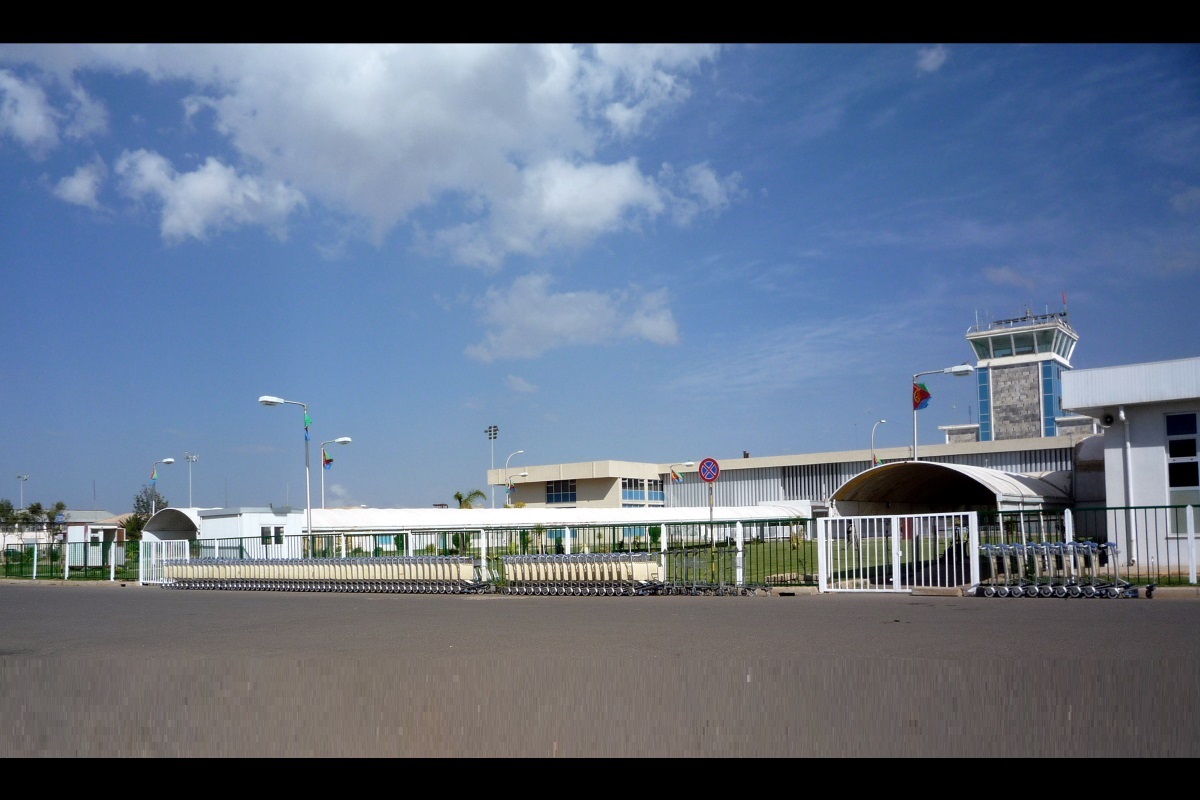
(469, 499)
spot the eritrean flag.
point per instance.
(326, 461)
(921, 396)
(676, 477)
(153, 474)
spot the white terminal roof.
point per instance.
(378, 519)
(1091, 391)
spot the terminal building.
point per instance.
(1022, 429)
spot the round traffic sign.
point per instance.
(709, 470)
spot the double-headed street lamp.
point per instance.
(268, 400)
(919, 401)
(875, 461)
(154, 482)
(191, 458)
(325, 465)
(492, 432)
(22, 479)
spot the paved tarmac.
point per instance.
(142, 671)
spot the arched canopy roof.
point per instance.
(173, 520)
(916, 487)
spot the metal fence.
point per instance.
(1154, 544)
(83, 561)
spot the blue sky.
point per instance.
(643, 253)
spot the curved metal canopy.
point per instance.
(920, 487)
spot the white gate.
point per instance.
(897, 553)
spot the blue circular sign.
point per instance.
(709, 470)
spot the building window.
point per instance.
(1051, 397)
(1183, 467)
(985, 405)
(560, 491)
(265, 532)
(278, 534)
(633, 489)
(654, 489)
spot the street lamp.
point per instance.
(191, 458)
(510, 455)
(672, 474)
(510, 487)
(154, 481)
(492, 432)
(325, 464)
(875, 461)
(960, 370)
(22, 479)
(268, 400)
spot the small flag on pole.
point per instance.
(326, 461)
(921, 396)
(676, 477)
(153, 475)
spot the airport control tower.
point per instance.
(1019, 367)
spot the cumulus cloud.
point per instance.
(82, 187)
(931, 59)
(497, 143)
(527, 319)
(26, 114)
(519, 384)
(558, 204)
(210, 198)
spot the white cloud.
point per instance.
(557, 204)
(26, 114)
(519, 384)
(83, 186)
(931, 59)
(209, 198)
(528, 320)
(1007, 276)
(507, 134)
(699, 190)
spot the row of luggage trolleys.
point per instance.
(582, 574)
(1055, 569)
(405, 574)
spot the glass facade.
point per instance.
(1051, 397)
(560, 491)
(1183, 465)
(985, 404)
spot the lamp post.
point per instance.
(515, 452)
(191, 458)
(492, 432)
(268, 400)
(339, 440)
(960, 370)
(22, 479)
(154, 481)
(875, 461)
(671, 469)
(510, 487)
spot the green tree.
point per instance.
(469, 499)
(149, 500)
(7, 512)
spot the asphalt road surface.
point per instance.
(142, 671)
